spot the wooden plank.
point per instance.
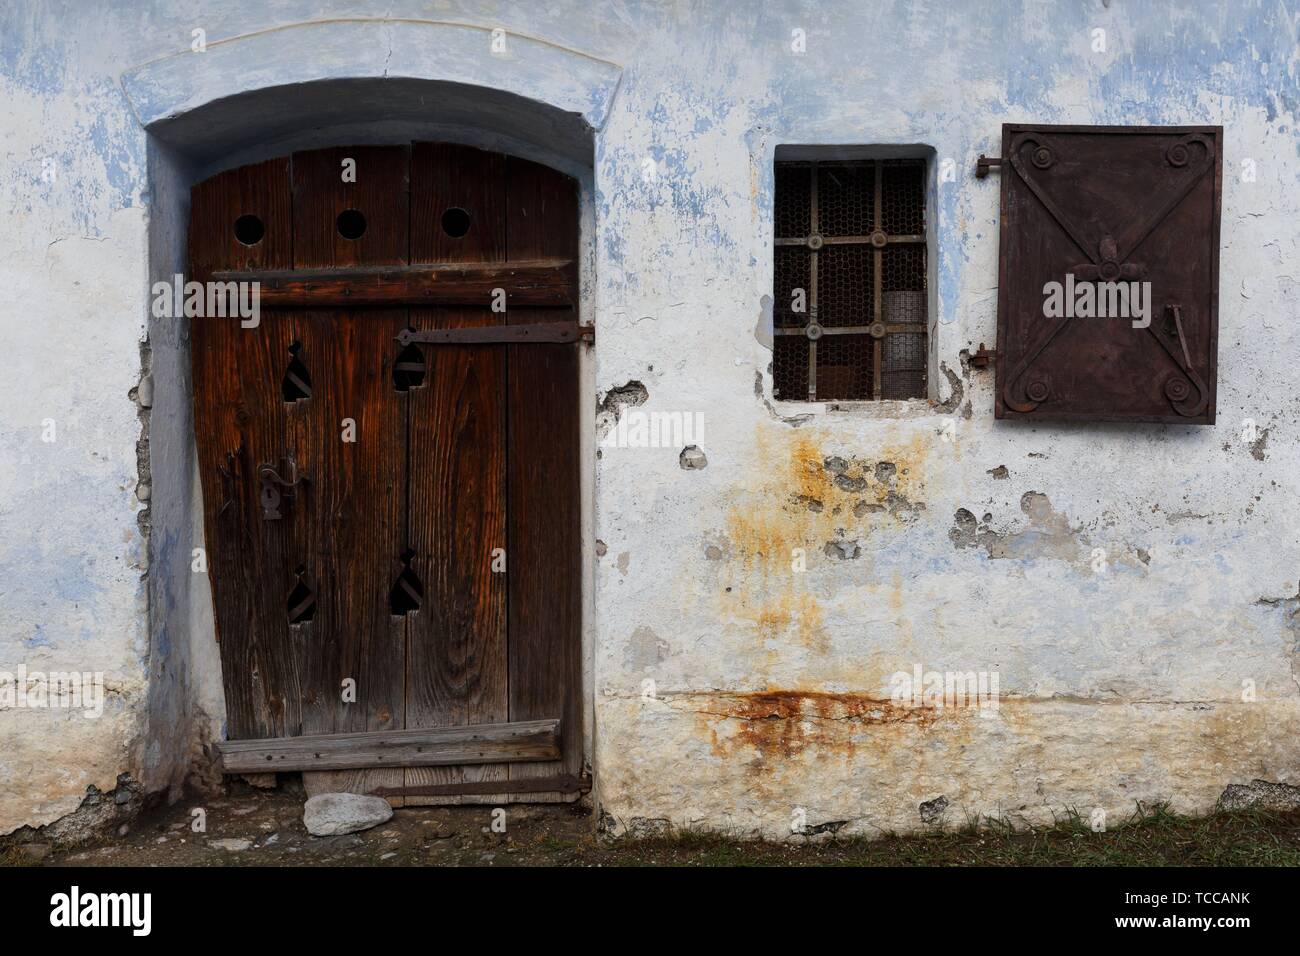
(457, 643)
(352, 509)
(239, 422)
(545, 612)
(545, 282)
(538, 785)
(482, 743)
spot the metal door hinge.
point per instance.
(983, 357)
(985, 163)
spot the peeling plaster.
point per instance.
(1127, 682)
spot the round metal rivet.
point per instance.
(1177, 155)
(814, 331)
(1037, 391)
(879, 239)
(877, 330)
(815, 242)
(1042, 157)
(1109, 270)
(1177, 389)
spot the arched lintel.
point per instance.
(372, 80)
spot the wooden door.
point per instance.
(389, 462)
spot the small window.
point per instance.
(850, 280)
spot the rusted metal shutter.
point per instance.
(1132, 214)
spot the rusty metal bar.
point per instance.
(814, 226)
(986, 163)
(878, 261)
(856, 329)
(847, 240)
(538, 332)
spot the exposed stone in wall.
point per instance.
(1259, 795)
(932, 811)
(142, 396)
(692, 458)
(613, 402)
(99, 814)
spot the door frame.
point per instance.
(186, 706)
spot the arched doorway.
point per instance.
(390, 465)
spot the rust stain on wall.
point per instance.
(810, 724)
(810, 504)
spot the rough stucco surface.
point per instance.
(770, 687)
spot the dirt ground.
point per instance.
(246, 826)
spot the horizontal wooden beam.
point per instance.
(533, 282)
(565, 783)
(435, 747)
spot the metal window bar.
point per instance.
(909, 332)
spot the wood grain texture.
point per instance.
(546, 282)
(353, 507)
(545, 613)
(239, 422)
(482, 456)
(541, 787)
(457, 432)
(481, 743)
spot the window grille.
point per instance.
(850, 280)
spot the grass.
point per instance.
(1153, 836)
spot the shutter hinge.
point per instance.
(985, 163)
(983, 357)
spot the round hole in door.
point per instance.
(249, 230)
(455, 222)
(351, 223)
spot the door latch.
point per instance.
(278, 490)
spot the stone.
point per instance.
(932, 811)
(330, 814)
(692, 458)
(232, 844)
(1261, 795)
(842, 550)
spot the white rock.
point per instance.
(233, 844)
(329, 814)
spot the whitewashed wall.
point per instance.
(770, 687)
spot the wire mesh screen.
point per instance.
(850, 280)
(845, 286)
(793, 200)
(903, 357)
(846, 198)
